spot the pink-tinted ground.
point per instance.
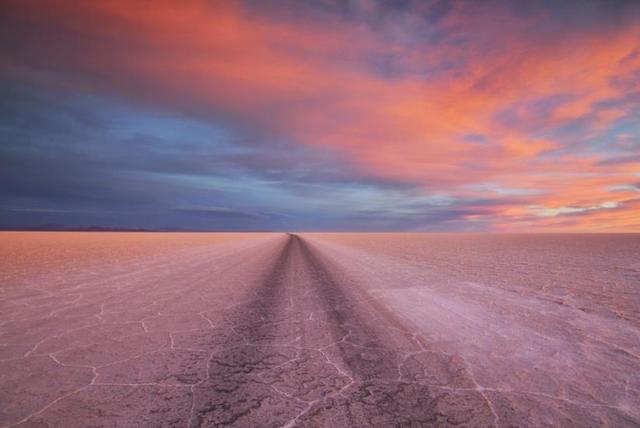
(122, 329)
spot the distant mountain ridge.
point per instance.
(53, 227)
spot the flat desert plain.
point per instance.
(313, 330)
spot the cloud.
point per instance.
(617, 160)
(218, 212)
(434, 96)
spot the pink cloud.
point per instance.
(312, 82)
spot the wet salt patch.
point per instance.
(588, 271)
(516, 343)
(515, 339)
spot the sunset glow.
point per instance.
(363, 115)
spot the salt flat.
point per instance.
(168, 329)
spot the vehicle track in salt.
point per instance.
(282, 330)
(308, 350)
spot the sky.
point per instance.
(362, 115)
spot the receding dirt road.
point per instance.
(264, 330)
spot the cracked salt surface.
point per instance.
(319, 330)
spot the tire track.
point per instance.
(383, 390)
(307, 349)
(235, 393)
(344, 312)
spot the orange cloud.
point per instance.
(313, 82)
